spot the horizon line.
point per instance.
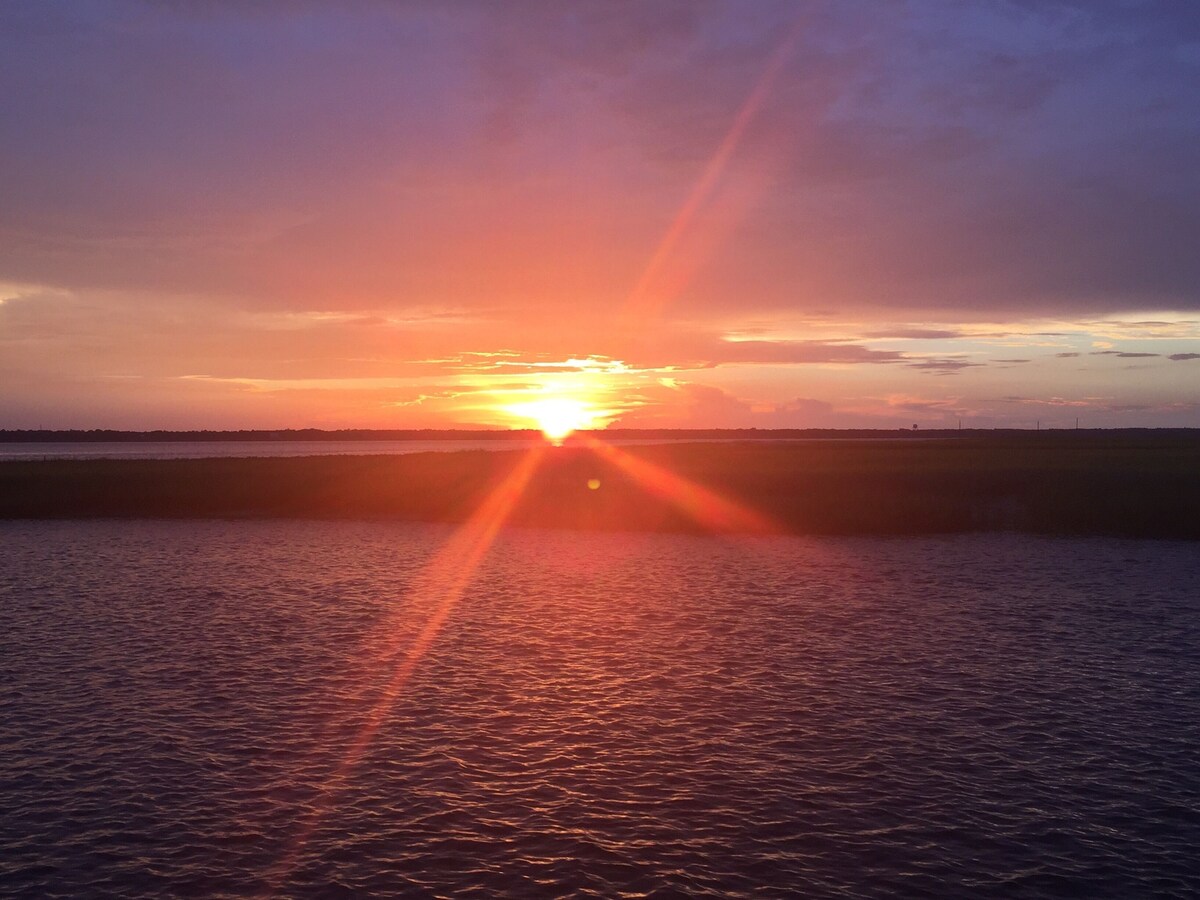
(284, 433)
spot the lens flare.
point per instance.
(706, 508)
(437, 588)
(648, 297)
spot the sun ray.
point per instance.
(642, 300)
(440, 585)
(702, 505)
(444, 580)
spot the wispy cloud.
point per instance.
(943, 365)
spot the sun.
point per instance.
(557, 417)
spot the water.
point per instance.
(184, 706)
(27, 450)
(211, 449)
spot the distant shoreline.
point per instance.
(99, 435)
(1133, 484)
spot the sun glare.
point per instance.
(557, 417)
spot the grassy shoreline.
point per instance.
(1143, 485)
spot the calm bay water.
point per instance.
(185, 706)
(216, 449)
(27, 450)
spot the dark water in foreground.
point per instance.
(602, 715)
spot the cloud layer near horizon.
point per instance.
(348, 192)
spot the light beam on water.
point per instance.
(439, 586)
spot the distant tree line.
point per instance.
(46, 435)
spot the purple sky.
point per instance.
(217, 214)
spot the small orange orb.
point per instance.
(593, 484)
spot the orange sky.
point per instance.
(665, 214)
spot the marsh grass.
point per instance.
(1142, 485)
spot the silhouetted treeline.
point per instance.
(287, 434)
(456, 434)
(1138, 484)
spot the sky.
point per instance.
(658, 214)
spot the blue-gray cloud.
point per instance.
(1034, 157)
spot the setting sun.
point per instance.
(557, 417)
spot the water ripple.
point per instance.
(604, 715)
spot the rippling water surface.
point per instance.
(184, 710)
